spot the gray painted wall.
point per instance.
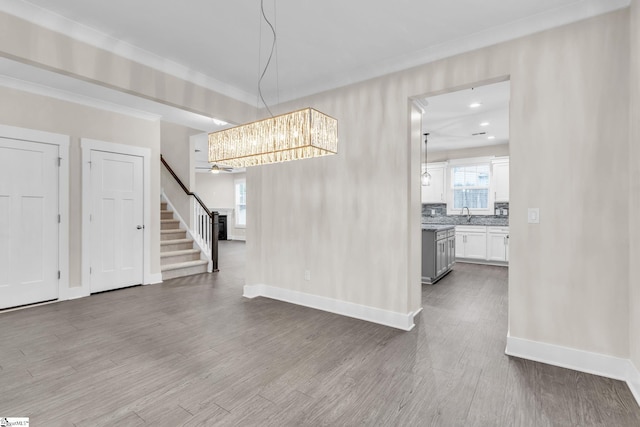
(350, 219)
(51, 115)
(354, 219)
(634, 211)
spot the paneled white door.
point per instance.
(28, 222)
(116, 221)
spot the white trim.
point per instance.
(633, 381)
(370, 314)
(470, 161)
(553, 18)
(154, 279)
(242, 238)
(76, 98)
(62, 141)
(577, 360)
(88, 145)
(450, 190)
(73, 293)
(78, 31)
(236, 182)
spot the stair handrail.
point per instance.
(213, 216)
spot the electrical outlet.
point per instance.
(533, 215)
(307, 275)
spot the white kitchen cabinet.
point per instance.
(498, 244)
(471, 242)
(500, 179)
(436, 192)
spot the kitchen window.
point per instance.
(241, 203)
(470, 187)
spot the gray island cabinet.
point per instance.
(438, 251)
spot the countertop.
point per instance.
(437, 227)
(488, 220)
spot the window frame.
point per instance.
(481, 161)
(236, 203)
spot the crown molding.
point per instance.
(573, 12)
(38, 89)
(78, 31)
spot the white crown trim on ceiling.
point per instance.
(576, 11)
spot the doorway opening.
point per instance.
(464, 185)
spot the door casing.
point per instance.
(62, 141)
(87, 145)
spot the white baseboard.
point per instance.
(577, 360)
(633, 381)
(362, 312)
(73, 293)
(154, 278)
(242, 238)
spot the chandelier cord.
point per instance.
(259, 68)
(273, 45)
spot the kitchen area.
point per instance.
(465, 180)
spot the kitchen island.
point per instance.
(438, 251)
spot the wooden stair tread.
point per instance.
(175, 241)
(181, 252)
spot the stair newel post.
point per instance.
(214, 240)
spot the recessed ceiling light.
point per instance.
(491, 137)
(475, 105)
(484, 124)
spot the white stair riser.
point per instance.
(174, 259)
(180, 272)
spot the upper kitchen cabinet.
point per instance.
(436, 191)
(500, 172)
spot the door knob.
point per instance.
(140, 227)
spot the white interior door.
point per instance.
(28, 222)
(116, 221)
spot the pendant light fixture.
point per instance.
(425, 178)
(297, 135)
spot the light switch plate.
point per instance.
(533, 215)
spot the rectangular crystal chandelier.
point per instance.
(297, 135)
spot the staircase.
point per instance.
(178, 257)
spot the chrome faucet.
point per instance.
(468, 213)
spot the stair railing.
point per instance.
(205, 223)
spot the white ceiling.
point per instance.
(452, 123)
(321, 44)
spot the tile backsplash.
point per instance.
(436, 213)
(434, 209)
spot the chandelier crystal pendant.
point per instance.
(297, 135)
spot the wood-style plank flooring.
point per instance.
(192, 351)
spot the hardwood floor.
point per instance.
(192, 351)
